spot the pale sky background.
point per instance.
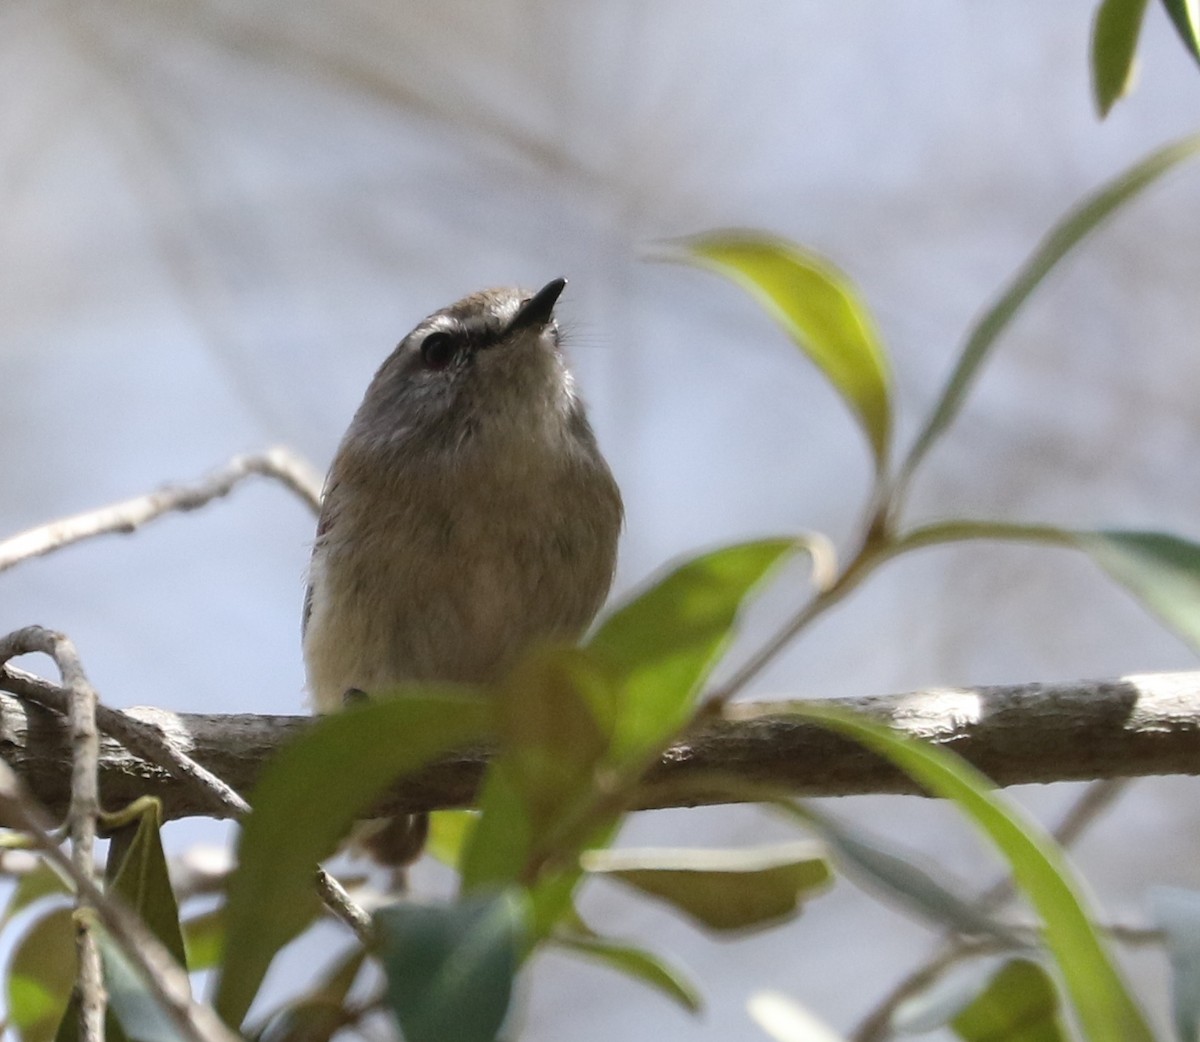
(217, 218)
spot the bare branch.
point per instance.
(280, 464)
(1032, 733)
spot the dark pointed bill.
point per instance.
(536, 311)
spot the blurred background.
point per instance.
(217, 218)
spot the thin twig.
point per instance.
(163, 977)
(85, 804)
(279, 464)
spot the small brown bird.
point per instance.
(468, 513)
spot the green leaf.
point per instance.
(450, 968)
(818, 308)
(1067, 234)
(1115, 31)
(1185, 16)
(664, 643)
(1019, 1005)
(305, 802)
(143, 881)
(1177, 913)
(988, 1000)
(898, 875)
(135, 1007)
(1105, 1008)
(204, 939)
(554, 716)
(41, 976)
(721, 889)
(1162, 571)
(634, 962)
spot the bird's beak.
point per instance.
(536, 311)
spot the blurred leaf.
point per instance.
(306, 799)
(1115, 31)
(41, 976)
(1162, 571)
(539, 789)
(1067, 234)
(551, 737)
(499, 845)
(321, 1012)
(634, 962)
(449, 833)
(721, 889)
(988, 1000)
(131, 1001)
(898, 875)
(665, 642)
(450, 968)
(1185, 16)
(1177, 913)
(786, 1021)
(1103, 1003)
(818, 308)
(40, 881)
(204, 939)
(1019, 1005)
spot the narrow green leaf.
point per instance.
(1177, 913)
(450, 968)
(1102, 1001)
(41, 975)
(634, 962)
(204, 939)
(305, 802)
(721, 889)
(898, 875)
(664, 643)
(1185, 16)
(1019, 1005)
(1067, 234)
(1115, 31)
(818, 308)
(1162, 571)
(142, 880)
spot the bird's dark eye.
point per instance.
(437, 350)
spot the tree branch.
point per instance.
(1030, 733)
(128, 516)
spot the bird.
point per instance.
(468, 514)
